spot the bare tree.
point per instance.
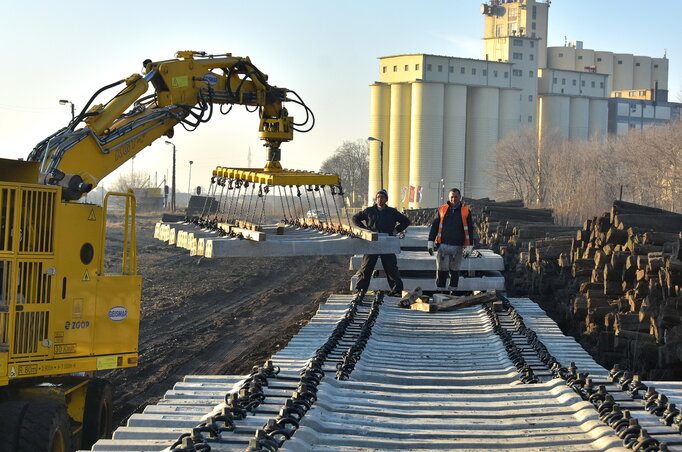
(132, 180)
(351, 162)
(653, 161)
(517, 166)
(522, 166)
(580, 179)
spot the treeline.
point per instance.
(580, 179)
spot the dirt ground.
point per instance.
(222, 316)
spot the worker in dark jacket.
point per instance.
(380, 218)
(452, 235)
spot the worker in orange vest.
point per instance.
(452, 235)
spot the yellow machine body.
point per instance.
(60, 313)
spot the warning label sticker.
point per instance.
(86, 275)
(92, 217)
(64, 348)
(28, 369)
(107, 362)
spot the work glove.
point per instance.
(400, 235)
(430, 247)
(468, 250)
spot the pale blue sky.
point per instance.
(326, 51)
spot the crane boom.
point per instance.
(185, 92)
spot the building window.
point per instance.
(485, 72)
(451, 69)
(517, 72)
(532, 44)
(517, 56)
(530, 98)
(620, 61)
(530, 119)
(563, 81)
(561, 55)
(554, 80)
(592, 84)
(407, 67)
(580, 57)
(428, 67)
(582, 83)
(494, 73)
(513, 13)
(384, 69)
(619, 94)
(655, 66)
(535, 12)
(574, 82)
(473, 71)
(632, 94)
(531, 74)
(598, 60)
(532, 25)
(499, 30)
(642, 93)
(506, 74)
(416, 67)
(512, 29)
(461, 70)
(601, 84)
(395, 68)
(440, 68)
(531, 57)
(518, 42)
(637, 64)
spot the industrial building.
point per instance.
(436, 119)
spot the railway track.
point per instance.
(366, 374)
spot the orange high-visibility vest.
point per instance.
(465, 215)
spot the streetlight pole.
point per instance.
(381, 159)
(64, 102)
(172, 206)
(189, 180)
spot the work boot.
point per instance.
(441, 279)
(454, 279)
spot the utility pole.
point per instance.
(189, 180)
(65, 102)
(173, 180)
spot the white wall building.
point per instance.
(440, 117)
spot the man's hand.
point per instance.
(400, 235)
(468, 250)
(430, 247)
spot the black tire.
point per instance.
(97, 417)
(11, 415)
(45, 428)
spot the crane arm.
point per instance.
(185, 92)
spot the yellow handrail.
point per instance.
(129, 260)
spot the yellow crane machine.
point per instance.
(63, 316)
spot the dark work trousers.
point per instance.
(390, 264)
